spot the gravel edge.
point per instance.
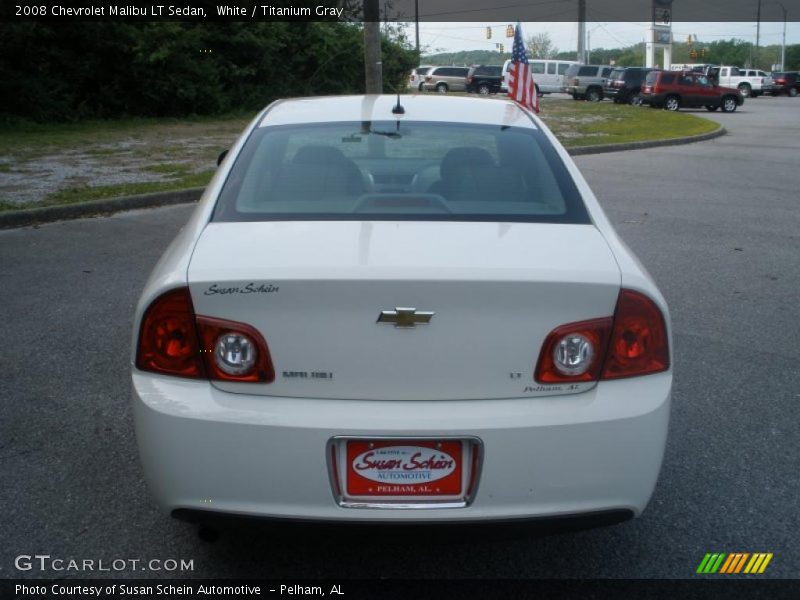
(46, 214)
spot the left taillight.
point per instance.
(168, 340)
(174, 341)
(631, 343)
(234, 351)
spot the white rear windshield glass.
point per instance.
(402, 170)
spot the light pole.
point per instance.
(589, 43)
(783, 45)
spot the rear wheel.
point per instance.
(421, 87)
(538, 93)
(635, 99)
(729, 104)
(594, 95)
(672, 103)
(711, 108)
(441, 88)
(793, 91)
(745, 89)
(484, 89)
(576, 97)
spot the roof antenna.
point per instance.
(398, 109)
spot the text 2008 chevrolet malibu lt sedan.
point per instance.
(400, 313)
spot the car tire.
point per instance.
(672, 103)
(484, 89)
(745, 90)
(594, 95)
(711, 108)
(729, 104)
(635, 99)
(441, 88)
(793, 92)
(421, 87)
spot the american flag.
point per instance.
(521, 88)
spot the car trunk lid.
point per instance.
(315, 290)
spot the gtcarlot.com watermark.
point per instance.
(45, 562)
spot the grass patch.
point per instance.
(171, 169)
(37, 139)
(102, 192)
(588, 123)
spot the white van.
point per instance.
(548, 74)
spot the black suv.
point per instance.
(785, 83)
(624, 85)
(485, 79)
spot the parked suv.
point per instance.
(446, 79)
(675, 89)
(485, 79)
(785, 83)
(624, 85)
(586, 81)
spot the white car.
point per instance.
(412, 312)
(417, 78)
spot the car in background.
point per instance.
(548, 74)
(376, 315)
(624, 84)
(673, 90)
(417, 77)
(485, 79)
(785, 82)
(586, 81)
(446, 79)
(758, 81)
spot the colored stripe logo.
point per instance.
(734, 562)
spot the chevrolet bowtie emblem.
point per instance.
(405, 317)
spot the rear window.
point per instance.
(651, 77)
(563, 68)
(488, 70)
(423, 70)
(617, 74)
(392, 170)
(587, 71)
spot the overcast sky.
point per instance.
(451, 37)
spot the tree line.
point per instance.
(108, 70)
(723, 52)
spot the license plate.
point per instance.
(405, 470)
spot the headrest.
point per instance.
(467, 157)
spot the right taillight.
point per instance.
(632, 342)
(639, 343)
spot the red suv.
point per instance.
(675, 89)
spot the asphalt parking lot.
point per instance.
(716, 224)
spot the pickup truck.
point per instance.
(741, 79)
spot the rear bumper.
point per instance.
(207, 450)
